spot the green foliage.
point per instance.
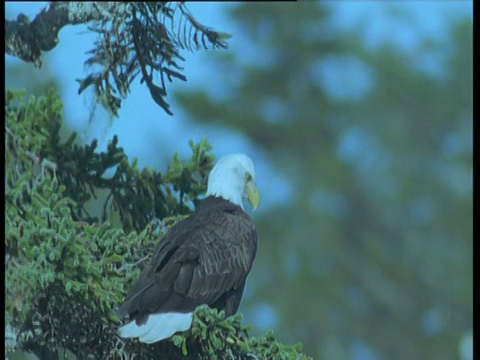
(136, 195)
(146, 41)
(67, 272)
(219, 337)
(64, 268)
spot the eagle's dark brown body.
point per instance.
(203, 259)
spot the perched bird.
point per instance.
(203, 259)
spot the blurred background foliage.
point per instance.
(368, 254)
(367, 251)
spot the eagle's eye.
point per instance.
(248, 177)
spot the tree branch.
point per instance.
(27, 39)
(133, 38)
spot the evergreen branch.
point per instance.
(216, 39)
(66, 276)
(133, 39)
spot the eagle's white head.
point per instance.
(233, 178)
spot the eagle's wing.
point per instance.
(200, 260)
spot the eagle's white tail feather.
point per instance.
(157, 327)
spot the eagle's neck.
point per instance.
(227, 185)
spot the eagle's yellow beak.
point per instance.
(252, 194)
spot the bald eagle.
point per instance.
(203, 259)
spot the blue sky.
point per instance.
(147, 133)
